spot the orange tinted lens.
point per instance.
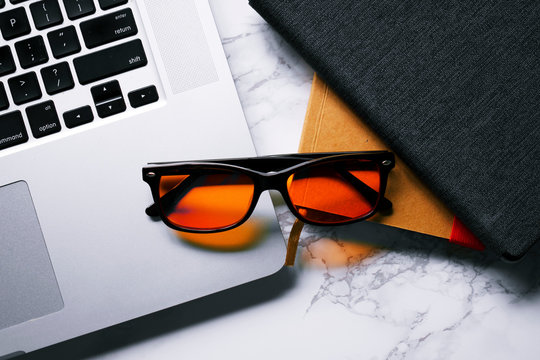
(206, 201)
(337, 192)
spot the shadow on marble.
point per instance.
(394, 250)
(170, 320)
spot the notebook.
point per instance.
(90, 92)
(452, 88)
(330, 125)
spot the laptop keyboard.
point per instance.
(52, 47)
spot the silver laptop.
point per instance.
(90, 92)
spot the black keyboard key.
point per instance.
(108, 99)
(16, 1)
(107, 4)
(109, 62)
(7, 64)
(64, 42)
(43, 119)
(111, 108)
(46, 13)
(4, 103)
(24, 88)
(57, 78)
(79, 116)
(14, 23)
(143, 96)
(31, 52)
(108, 28)
(12, 130)
(106, 92)
(2, 3)
(79, 8)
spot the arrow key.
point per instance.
(108, 99)
(110, 108)
(143, 96)
(79, 116)
(106, 92)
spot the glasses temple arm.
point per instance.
(384, 204)
(179, 190)
(292, 244)
(152, 210)
(370, 194)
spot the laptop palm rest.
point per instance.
(28, 287)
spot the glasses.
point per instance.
(319, 188)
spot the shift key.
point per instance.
(12, 130)
(109, 62)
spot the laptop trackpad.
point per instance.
(28, 287)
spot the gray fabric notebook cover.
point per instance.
(453, 87)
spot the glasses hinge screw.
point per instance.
(387, 162)
(150, 174)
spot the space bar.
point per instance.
(109, 62)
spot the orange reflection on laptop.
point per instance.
(240, 238)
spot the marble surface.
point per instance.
(356, 292)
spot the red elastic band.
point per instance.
(462, 236)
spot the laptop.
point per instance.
(90, 92)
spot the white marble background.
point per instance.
(415, 298)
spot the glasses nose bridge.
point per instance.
(271, 181)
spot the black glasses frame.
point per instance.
(268, 173)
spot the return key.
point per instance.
(108, 28)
